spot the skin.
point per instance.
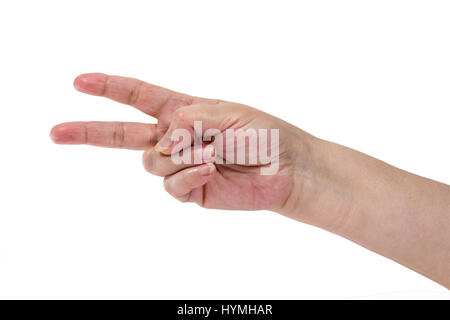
(397, 214)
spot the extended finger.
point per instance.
(146, 97)
(127, 135)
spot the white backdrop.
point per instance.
(86, 222)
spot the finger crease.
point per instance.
(135, 93)
(119, 135)
(86, 135)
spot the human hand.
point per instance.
(223, 186)
(321, 183)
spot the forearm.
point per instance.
(390, 211)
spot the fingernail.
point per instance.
(209, 153)
(163, 144)
(159, 148)
(206, 169)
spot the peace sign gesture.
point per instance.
(155, 101)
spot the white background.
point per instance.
(86, 222)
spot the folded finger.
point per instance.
(182, 185)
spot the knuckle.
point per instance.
(119, 135)
(150, 161)
(145, 160)
(135, 93)
(169, 187)
(181, 113)
(184, 198)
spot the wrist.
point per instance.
(320, 194)
(383, 208)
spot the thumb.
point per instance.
(194, 124)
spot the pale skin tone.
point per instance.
(397, 214)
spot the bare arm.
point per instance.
(397, 214)
(387, 210)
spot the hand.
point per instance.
(224, 186)
(229, 184)
(155, 101)
(385, 209)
